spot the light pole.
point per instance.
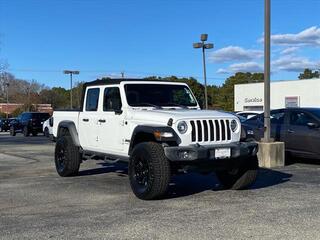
(203, 45)
(28, 92)
(267, 71)
(71, 72)
(7, 85)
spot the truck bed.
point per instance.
(64, 115)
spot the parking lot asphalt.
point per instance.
(35, 203)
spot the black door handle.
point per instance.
(85, 119)
(102, 120)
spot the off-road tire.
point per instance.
(34, 134)
(158, 176)
(46, 132)
(12, 131)
(25, 131)
(1, 130)
(67, 157)
(239, 177)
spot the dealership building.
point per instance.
(294, 93)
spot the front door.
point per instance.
(112, 121)
(301, 136)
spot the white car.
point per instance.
(46, 128)
(249, 114)
(159, 129)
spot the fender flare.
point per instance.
(140, 129)
(72, 130)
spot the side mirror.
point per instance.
(118, 111)
(312, 125)
(51, 122)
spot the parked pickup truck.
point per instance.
(159, 129)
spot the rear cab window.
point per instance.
(277, 117)
(92, 99)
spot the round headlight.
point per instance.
(233, 125)
(182, 127)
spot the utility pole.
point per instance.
(29, 104)
(122, 74)
(203, 45)
(71, 72)
(7, 85)
(267, 24)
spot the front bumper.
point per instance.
(207, 152)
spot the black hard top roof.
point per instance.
(119, 80)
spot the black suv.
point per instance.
(28, 122)
(4, 125)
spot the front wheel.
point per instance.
(46, 132)
(12, 131)
(239, 177)
(67, 157)
(149, 171)
(25, 131)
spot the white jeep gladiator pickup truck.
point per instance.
(159, 129)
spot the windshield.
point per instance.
(160, 95)
(42, 116)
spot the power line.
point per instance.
(116, 71)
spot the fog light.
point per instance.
(184, 155)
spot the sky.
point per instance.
(41, 38)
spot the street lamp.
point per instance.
(203, 45)
(71, 72)
(7, 85)
(267, 124)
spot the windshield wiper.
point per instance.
(177, 105)
(146, 104)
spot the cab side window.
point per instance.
(300, 119)
(92, 99)
(112, 99)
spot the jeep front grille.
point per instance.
(210, 130)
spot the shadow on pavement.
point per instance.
(269, 177)
(120, 168)
(293, 160)
(193, 183)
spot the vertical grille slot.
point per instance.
(193, 131)
(211, 131)
(217, 130)
(223, 130)
(205, 128)
(199, 130)
(228, 130)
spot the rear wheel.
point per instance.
(25, 131)
(1, 130)
(67, 157)
(239, 177)
(12, 131)
(46, 132)
(149, 171)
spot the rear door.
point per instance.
(88, 120)
(301, 138)
(278, 124)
